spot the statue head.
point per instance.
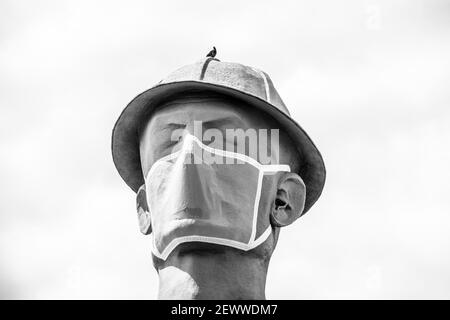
(218, 165)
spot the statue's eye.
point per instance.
(174, 140)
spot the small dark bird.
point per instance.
(212, 53)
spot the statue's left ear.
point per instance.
(145, 223)
(290, 200)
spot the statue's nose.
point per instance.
(194, 193)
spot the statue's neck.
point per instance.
(216, 276)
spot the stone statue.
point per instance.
(213, 187)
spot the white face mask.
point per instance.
(202, 194)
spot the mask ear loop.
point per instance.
(256, 206)
(263, 169)
(152, 234)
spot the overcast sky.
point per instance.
(368, 80)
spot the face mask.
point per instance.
(202, 194)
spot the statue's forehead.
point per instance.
(202, 109)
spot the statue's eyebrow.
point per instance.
(218, 123)
(173, 126)
(208, 124)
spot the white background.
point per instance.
(368, 80)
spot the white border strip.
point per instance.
(266, 83)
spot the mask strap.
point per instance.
(274, 168)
